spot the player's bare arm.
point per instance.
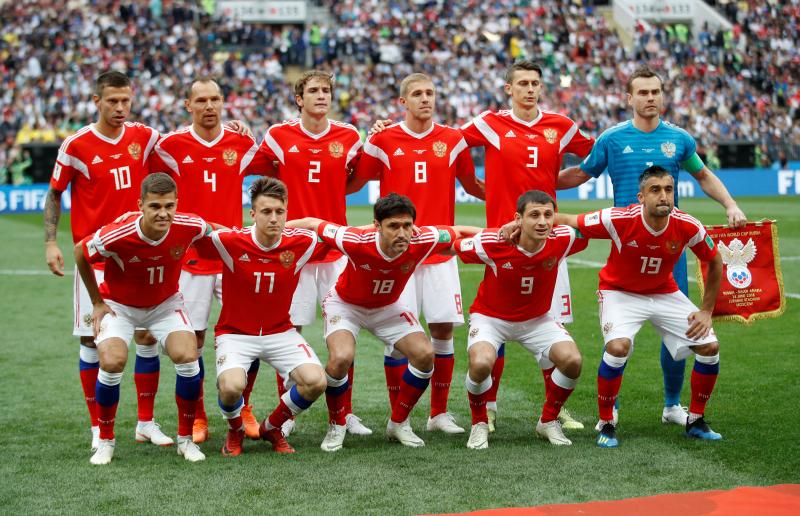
(355, 182)
(52, 214)
(571, 177)
(714, 188)
(566, 219)
(700, 321)
(473, 185)
(100, 308)
(461, 232)
(310, 223)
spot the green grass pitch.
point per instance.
(44, 425)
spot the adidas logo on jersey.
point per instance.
(293, 149)
(633, 243)
(510, 134)
(627, 149)
(96, 160)
(508, 265)
(187, 159)
(399, 152)
(244, 258)
(135, 259)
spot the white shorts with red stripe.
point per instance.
(561, 307)
(161, 320)
(198, 292)
(82, 305)
(435, 290)
(536, 335)
(316, 280)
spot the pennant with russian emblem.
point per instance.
(752, 283)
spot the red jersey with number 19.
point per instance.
(372, 279)
(141, 272)
(641, 259)
(522, 156)
(517, 285)
(105, 174)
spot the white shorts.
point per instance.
(316, 280)
(284, 351)
(82, 305)
(389, 323)
(161, 320)
(198, 290)
(622, 315)
(435, 290)
(536, 335)
(561, 306)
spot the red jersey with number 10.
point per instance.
(641, 259)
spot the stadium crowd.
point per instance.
(723, 85)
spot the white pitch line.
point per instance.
(30, 272)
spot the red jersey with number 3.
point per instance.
(522, 156)
(372, 279)
(517, 285)
(421, 166)
(141, 272)
(258, 282)
(105, 174)
(641, 259)
(209, 175)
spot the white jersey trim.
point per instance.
(460, 146)
(605, 218)
(370, 149)
(481, 252)
(488, 133)
(567, 137)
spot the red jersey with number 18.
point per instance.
(641, 259)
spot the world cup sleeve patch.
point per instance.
(592, 219)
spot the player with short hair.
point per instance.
(103, 164)
(314, 155)
(368, 295)
(262, 266)
(637, 285)
(513, 303)
(422, 160)
(524, 147)
(209, 161)
(143, 255)
(625, 150)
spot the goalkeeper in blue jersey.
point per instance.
(628, 148)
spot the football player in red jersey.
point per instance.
(513, 303)
(143, 255)
(209, 161)
(422, 160)
(637, 285)
(103, 164)
(314, 156)
(367, 295)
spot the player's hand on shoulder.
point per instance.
(736, 217)
(99, 310)
(55, 260)
(379, 126)
(239, 127)
(124, 216)
(699, 325)
(510, 232)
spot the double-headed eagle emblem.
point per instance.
(736, 256)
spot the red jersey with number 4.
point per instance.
(522, 156)
(258, 282)
(141, 272)
(372, 279)
(209, 175)
(641, 259)
(105, 174)
(421, 166)
(517, 285)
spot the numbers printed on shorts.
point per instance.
(382, 286)
(566, 305)
(270, 275)
(305, 348)
(122, 177)
(186, 321)
(459, 304)
(156, 278)
(650, 265)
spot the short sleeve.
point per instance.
(593, 224)
(597, 161)
(465, 249)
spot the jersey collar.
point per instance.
(315, 136)
(205, 142)
(531, 254)
(258, 244)
(146, 239)
(106, 138)
(523, 122)
(418, 136)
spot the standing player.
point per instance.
(208, 161)
(524, 149)
(368, 295)
(637, 285)
(143, 254)
(104, 164)
(422, 160)
(513, 303)
(313, 157)
(262, 265)
(625, 150)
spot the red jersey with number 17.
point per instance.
(517, 285)
(371, 278)
(641, 259)
(141, 272)
(522, 156)
(105, 174)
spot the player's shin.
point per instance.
(497, 374)
(334, 396)
(348, 395)
(89, 366)
(146, 376)
(704, 377)
(609, 380)
(252, 373)
(476, 393)
(188, 384)
(291, 404)
(200, 410)
(444, 362)
(673, 371)
(107, 395)
(232, 413)
(561, 387)
(394, 369)
(411, 389)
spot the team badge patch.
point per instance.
(407, 266)
(467, 244)
(176, 252)
(668, 149)
(473, 332)
(336, 149)
(592, 219)
(444, 236)
(549, 263)
(87, 320)
(736, 256)
(335, 320)
(551, 135)
(287, 258)
(221, 360)
(330, 231)
(673, 246)
(135, 150)
(607, 327)
(229, 157)
(439, 149)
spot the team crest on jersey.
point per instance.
(668, 149)
(549, 263)
(135, 150)
(87, 320)
(439, 148)
(335, 320)
(736, 256)
(473, 332)
(221, 360)
(551, 135)
(229, 156)
(287, 258)
(336, 149)
(673, 246)
(176, 252)
(407, 266)
(607, 327)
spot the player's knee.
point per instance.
(183, 354)
(316, 383)
(422, 358)
(572, 363)
(338, 362)
(112, 362)
(618, 347)
(480, 365)
(231, 386)
(707, 350)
